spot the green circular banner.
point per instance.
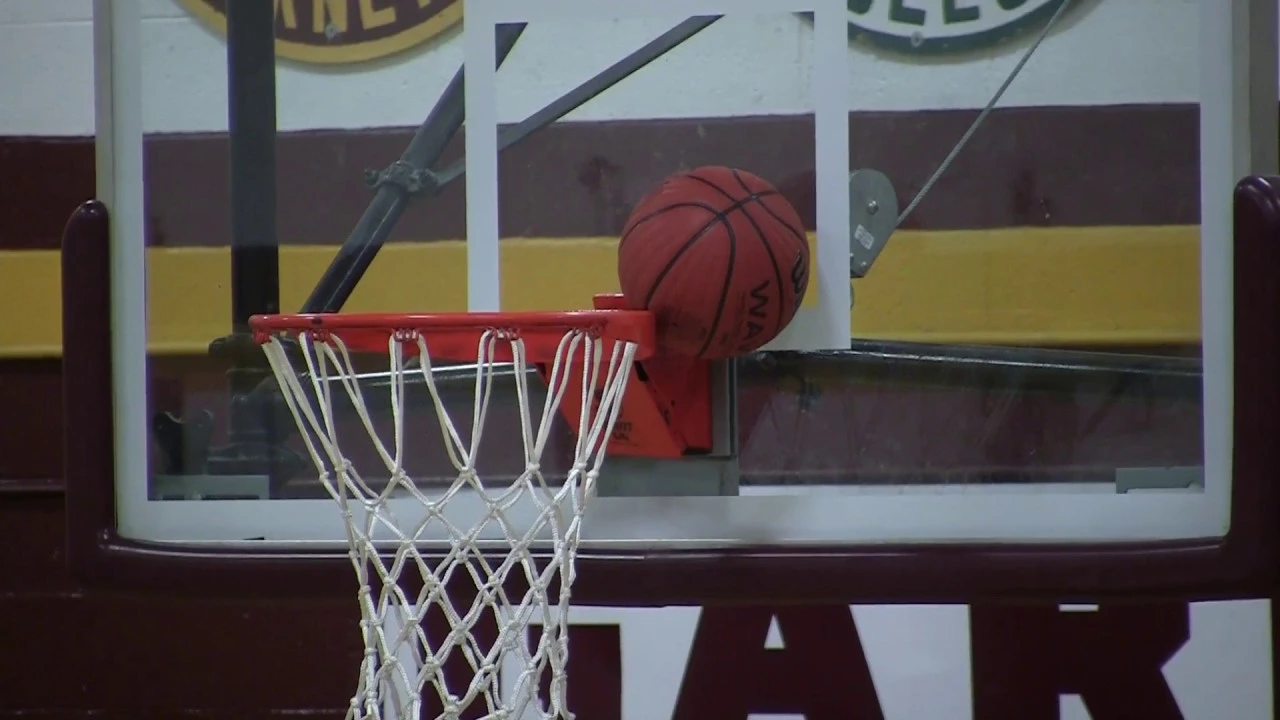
(940, 27)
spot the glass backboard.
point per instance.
(1038, 350)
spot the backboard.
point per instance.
(1035, 360)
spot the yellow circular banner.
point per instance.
(336, 32)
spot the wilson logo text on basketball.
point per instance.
(799, 275)
(344, 31)
(756, 314)
(945, 26)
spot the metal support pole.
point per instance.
(251, 119)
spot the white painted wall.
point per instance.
(919, 658)
(1106, 52)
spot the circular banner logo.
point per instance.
(344, 31)
(945, 26)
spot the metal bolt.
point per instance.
(872, 207)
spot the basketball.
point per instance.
(721, 259)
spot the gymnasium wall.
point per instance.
(1069, 221)
(1089, 169)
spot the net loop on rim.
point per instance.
(464, 587)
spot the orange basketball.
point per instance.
(721, 259)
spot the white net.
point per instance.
(445, 634)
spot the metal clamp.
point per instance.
(414, 181)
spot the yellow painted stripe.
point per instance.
(1060, 286)
(1050, 286)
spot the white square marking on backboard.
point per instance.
(823, 325)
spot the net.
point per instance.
(501, 573)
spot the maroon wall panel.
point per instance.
(71, 654)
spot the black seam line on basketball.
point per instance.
(801, 239)
(773, 260)
(724, 288)
(719, 215)
(675, 257)
(743, 183)
(709, 208)
(751, 195)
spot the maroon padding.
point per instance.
(1241, 565)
